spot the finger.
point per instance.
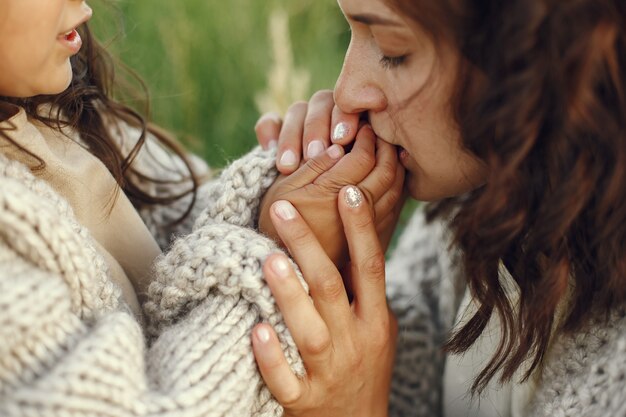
(393, 199)
(317, 166)
(304, 322)
(386, 227)
(317, 125)
(326, 285)
(268, 129)
(290, 139)
(366, 256)
(280, 379)
(345, 126)
(388, 210)
(383, 175)
(355, 165)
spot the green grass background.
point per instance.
(204, 61)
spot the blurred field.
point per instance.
(205, 61)
(208, 62)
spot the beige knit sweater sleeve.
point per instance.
(70, 347)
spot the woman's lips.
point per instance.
(71, 40)
(404, 156)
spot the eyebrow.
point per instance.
(371, 19)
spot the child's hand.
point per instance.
(313, 189)
(307, 130)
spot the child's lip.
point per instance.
(72, 41)
(87, 15)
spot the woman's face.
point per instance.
(37, 39)
(394, 71)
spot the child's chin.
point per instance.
(60, 83)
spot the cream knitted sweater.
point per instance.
(70, 347)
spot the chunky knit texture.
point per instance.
(69, 346)
(584, 374)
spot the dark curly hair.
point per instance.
(89, 108)
(541, 99)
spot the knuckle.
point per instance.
(291, 396)
(317, 165)
(313, 122)
(329, 286)
(386, 204)
(354, 359)
(273, 365)
(292, 297)
(366, 220)
(394, 194)
(387, 174)
(298, 236)
(332, 184)
(394, 197)
(366, 160)
(317, 344)
(374, 266)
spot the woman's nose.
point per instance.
(357, 89)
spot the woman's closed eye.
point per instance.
(391, 62)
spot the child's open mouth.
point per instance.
(72, 40)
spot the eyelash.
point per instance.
(390, 62)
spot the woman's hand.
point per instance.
(307, 130)
(347, 348)
(313, 189)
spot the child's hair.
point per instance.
(542, 101)
(88, 107)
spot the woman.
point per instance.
(511, 118)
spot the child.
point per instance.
(83, 265)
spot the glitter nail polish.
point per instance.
(341, 131)
(353, 197)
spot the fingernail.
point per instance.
(341, 132)
(353, 197)
(315, 148)
(288, 159)
(263, 334)
(280, 266)
(285, 210)
(335, 151)
(272, 144)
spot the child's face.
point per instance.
(37, 39)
